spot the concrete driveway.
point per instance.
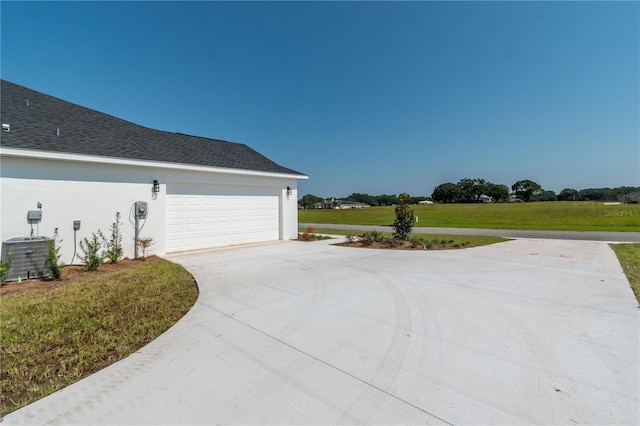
(527, 331)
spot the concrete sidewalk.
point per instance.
(527, 331)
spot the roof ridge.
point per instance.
(203, 137)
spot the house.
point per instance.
(333, 203)
(632, 198)
(79, 164)
(347, 204)
(328, 203)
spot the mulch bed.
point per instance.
(405, 246)
(70, 274)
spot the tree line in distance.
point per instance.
(477, 190)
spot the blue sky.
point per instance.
(371, 97)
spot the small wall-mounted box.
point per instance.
(34, 215)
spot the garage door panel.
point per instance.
(203, 216)
(193, 227)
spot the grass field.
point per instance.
(560, 215)
(629, 257)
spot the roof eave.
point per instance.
(97, 159)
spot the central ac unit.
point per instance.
(29, 257)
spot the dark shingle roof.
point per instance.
(35, 117)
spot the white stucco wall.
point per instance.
(92, 190)
(289, 216)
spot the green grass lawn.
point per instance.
(52, 337)
(560, 215)
(629, 257)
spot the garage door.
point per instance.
(203, 216)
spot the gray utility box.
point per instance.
(29, 257)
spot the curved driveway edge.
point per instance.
(527, 331)
(626, 237)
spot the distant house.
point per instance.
(334, 203)
(82, 166)
(632, 198)
(423, 202)
(328, 203)
(345, 204)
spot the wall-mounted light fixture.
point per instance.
(289, 191)
(156, 187)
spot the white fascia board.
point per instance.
(85, 158)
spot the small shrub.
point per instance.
(91, 257)
(405, 218)
(53, 256)
(5, 265)
(144, 244)
(305, 236)
(350, 238)
(457, 245)
(114, 243)
(416, 243)
(428, 245)
(466, 243)
(365, 239)
(369, 237)
(392, 242)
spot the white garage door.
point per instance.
(203, 216)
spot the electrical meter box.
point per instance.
(34, 215)
(141, 209)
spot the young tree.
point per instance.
(92, 258)
(405, 218)
(113, 244)
(53, 256)
(144, 243)
(5, 265)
